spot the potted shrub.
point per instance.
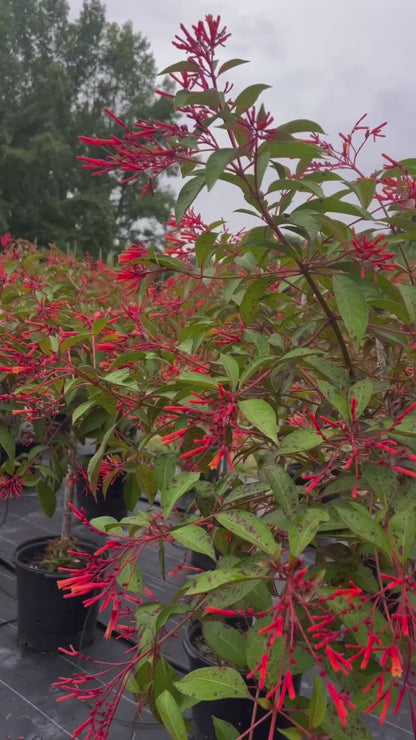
(291, 342)
(38, 352)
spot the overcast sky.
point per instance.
(328, 60)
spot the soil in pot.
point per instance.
(46, 620)
(236, 711)
(112, 504)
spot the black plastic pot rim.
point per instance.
(35, 543)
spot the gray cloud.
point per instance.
(328, 60)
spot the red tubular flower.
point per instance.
(223, 612)
(204, 38)
(341, 702)
(134, 252)
(371, 254)
(11, 486)
(263, 670)
(369, 649)
(218, 416)
(181, 238)
(338, 662)
(385, 698)
(392, 655)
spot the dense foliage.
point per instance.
(284, 358)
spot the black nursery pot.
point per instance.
(112, 504)
(46, 620)
(236, 711)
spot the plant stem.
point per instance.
(69, 493)
(331, 318)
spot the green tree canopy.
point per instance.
(56, 77)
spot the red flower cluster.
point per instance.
(220, 421)
(371, 254)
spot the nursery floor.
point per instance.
(28, 708)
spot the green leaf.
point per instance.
(261, 415)
(107, 524)
(381, 480)
(81, 409)
(334, 204)
(230, 64)
(355, 729)
(146, 480)
(409, 298)
(253, 367)
(293, 354)
(248, 97)
(402, 528)
(318, 703)
(188, 194)
(292, 733)
(197, 379)
(164, 469)
(211, 580)
(407, 426)
(343, 482)
(362, 391)
(260, 342)
(122, 376)
(250, 528)
(7, 443)
(224, 730)
(145, 618)
(303, 529)
(303, 186)
(352, 306)
(95, 462)
(247, 490)
(211, 98)
(209, 684)
(228, 643)
(203, 246)
(307, 221)
(232, 369)
(137, 521)
(364, 190)
(171, 716)
(182, 483)
(194, 538)
(335, 398)
(290, 149)
(47, 498)
(299, 441)
(130, 576)
(284, 489)
(164, 677)
(234, 593)
(300, 125)
(184, 66)
(217, 163)
(256, 290)
(359, 521)
(131, 491)
(330, 370)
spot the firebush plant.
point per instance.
(282, 357)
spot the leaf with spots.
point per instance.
(250, 528)
(209, 684)
(402, 528)
(303, 529)
(360, 522)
